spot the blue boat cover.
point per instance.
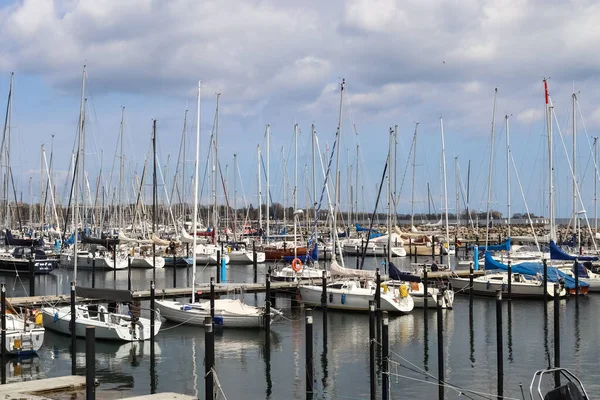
(556, 253)
(497, 247)
(397, 275)
(534, 269)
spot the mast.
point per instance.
(76, 172)
(42, 187)
(235, 168)
(268, 194)
(395, 202)
(337, 168)
(468, 193)
(574, 164)
(283, 165)
(389, 201)
(215, 175)
(183, 178)
(489, 191)
(356, 187)
(445, 184)
(195, 216)
(314, 179)
(457, 185)
(507, 174)
(154, 199)
(259, 189)
(295, 186)
(8, 140)
(412, 196)
(596, 184)
(121, 167)
(550, 161)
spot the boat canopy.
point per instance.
(116, 295)
(505, 246)
(397, 275)
(533, 269)
(556, 253)
(10, 240)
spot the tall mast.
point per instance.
(389, 201)
(356, 187)
(295, 167)
(412, 196)
(490, 171)
(215, 174)
(574, 165)
(8, 146)
(183, 178)
(314, 179)
(395, 202)
(284, 166)
(121, 167)
(154, 198)
(42, 187)
(468, 193)
(445, 184)
(596, 184)
(259, 189)
(507, 174)
(76, 172)
(268, 194)
(456, 185)
(234, 196)
(550, 161)
(195, 216)
(337, 168)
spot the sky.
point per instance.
(281, 63)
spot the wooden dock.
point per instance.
(35, 390)
(203, 290)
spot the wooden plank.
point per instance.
(41, 386)
(163, 396)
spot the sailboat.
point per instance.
(228, 313)
(23, 335)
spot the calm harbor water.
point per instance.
(247, 369)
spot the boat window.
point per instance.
(336, 285)
(496, 278)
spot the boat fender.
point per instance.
(39, 319)
(56, 317)
(186, 308)
(296, 264)
(403, 291)
(218, 320)
(343, 298)
(384, 287)
(331, 297)
(488, 285)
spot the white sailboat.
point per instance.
(227, 313)
(23, 337)
(521, 286)
(109, 325)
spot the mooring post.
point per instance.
(425, 289)
(73, 333)
(31, 276)
(218, 266)
(212, 298)
(90, 363)
(254, 261)
(499, 347)
(309, 353)
(128, 272)
(545, 263)
(357, 258)
(433, 240)
(114, 263)
(372, 343)
(378, 303)
(510, 278)
(556, 334)
(441, 253)
(268, 304)
(324, 304)
(3, 334)
(576, 267)
(440, 334)
(152, 310)
(209, 358)
(471, 276)
(385, 394)
(93, 269)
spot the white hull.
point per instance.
(287, 274)
(486, 287)
(374, 250)
(355, 299)
(416, 292)
(84, 261)
(245, 257)
(20, 340)
(146, 262)
(109, 326)
(228, 313)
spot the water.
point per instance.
(246, 368)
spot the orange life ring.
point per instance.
(296, 265)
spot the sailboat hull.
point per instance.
(518, 290)
(352, 300)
